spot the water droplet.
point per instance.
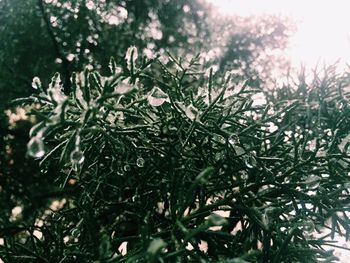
(36, 147)
(140, 162)
(233, 139)
(191, 112)
(120, 173)
(219, 139)
(70, 57)
(127, 168)
(239, 150)
(157, 97)
(75, 232)
(313, 181)
(243, 175)
(308, 226)
(249, 161)
(36, 83)
(77, 156)
(43, 171)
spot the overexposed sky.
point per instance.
(323, 25)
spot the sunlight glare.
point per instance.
(323, 31)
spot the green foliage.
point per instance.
(184, 167)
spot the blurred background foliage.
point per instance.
(40, 37)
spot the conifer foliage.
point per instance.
(158, 163)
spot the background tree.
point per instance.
(73, 34)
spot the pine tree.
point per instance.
(174, 164)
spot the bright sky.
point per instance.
(323, 30)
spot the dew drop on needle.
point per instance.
(157, 97)
(140, 162)
(36, 147)
(233, 139)
(77, 156)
